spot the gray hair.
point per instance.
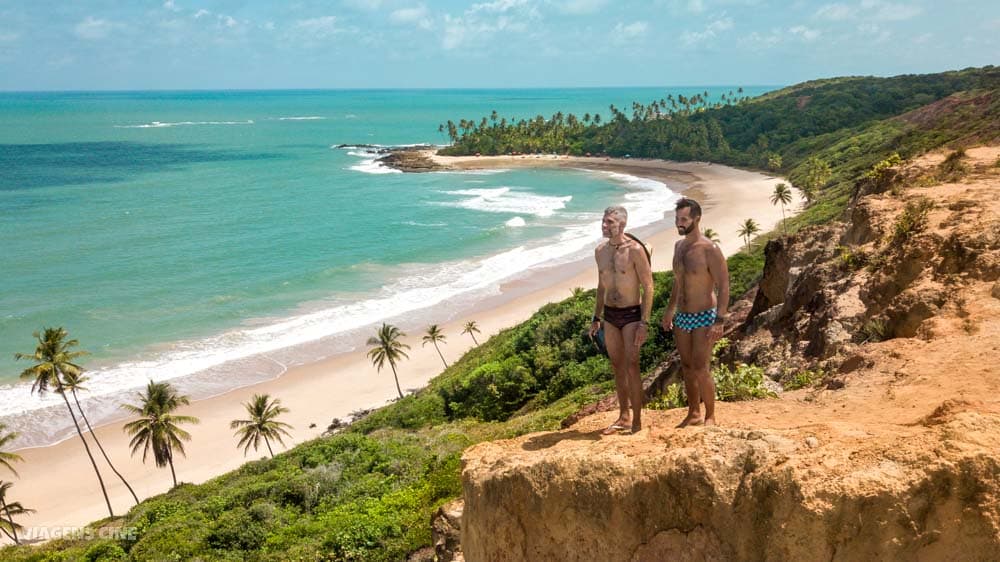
(618, 211)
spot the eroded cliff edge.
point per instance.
(895, 455)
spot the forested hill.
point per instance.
(758, 132)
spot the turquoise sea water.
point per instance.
(215, 238)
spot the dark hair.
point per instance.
(685, 203)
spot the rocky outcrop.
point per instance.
(411, 159)
(828, 492)
(894, 455)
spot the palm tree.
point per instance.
(385, 346)
(157, 427)
(782, 195)
(8, 526)
(434, 336)
(262, 423)
(747, 230)
(712, 235)
(6, 458)
(74, 382)
(472, 329)
(53, 358)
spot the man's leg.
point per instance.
(633, 378)
(616, 352)
(682, 340)
(701, 362)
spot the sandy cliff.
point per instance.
(893, 454)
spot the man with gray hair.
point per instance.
(625, 301)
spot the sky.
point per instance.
(256, 44)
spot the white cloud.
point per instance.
(712, 30)
(201, 13)
(8, 36)
(498, 6)
(631, 31)
(887, 11)
(481, 22)
(875, 32)
(834, 12)
(367, 5)
(418, 16)
(227, 21)
(696, 6)
(169, 5)
(579, 7)
(318, 28)
(756, 39)
(868, 9)
(922, 39)
(92, 28)
(805, 33)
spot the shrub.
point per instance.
(236, 530)
(746, 382)
(911, 221)
(882, 177)
(492, 391)
(672, 397)
(874, 330)
(851, 260)
(576, 375)
(803, 379)
(952, 168)
(105, 551)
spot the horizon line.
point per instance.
(385, 89)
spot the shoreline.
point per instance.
(56, 479)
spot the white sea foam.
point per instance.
(426, 224)
(306, 118)
(161, 124)
(506, 200)
(369, 163)
(515, 222)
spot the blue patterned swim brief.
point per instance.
(691, 321)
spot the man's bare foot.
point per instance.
(691, 419)
(710, 421)
(620, 425)
(636, 427)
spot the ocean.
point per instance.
(216, 238)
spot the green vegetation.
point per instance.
(803, 379)
(875, 330)
(732, 384)
(911, 221)
(952, 168)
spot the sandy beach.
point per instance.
(58, 481)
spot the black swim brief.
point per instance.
(621, 317)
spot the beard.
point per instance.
(685, 231)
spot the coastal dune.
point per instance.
(57, 480)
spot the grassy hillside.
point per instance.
(368, 493)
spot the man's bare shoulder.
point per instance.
(706, 245)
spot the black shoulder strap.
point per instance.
(645, 248)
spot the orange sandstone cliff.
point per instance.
(894, 454)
